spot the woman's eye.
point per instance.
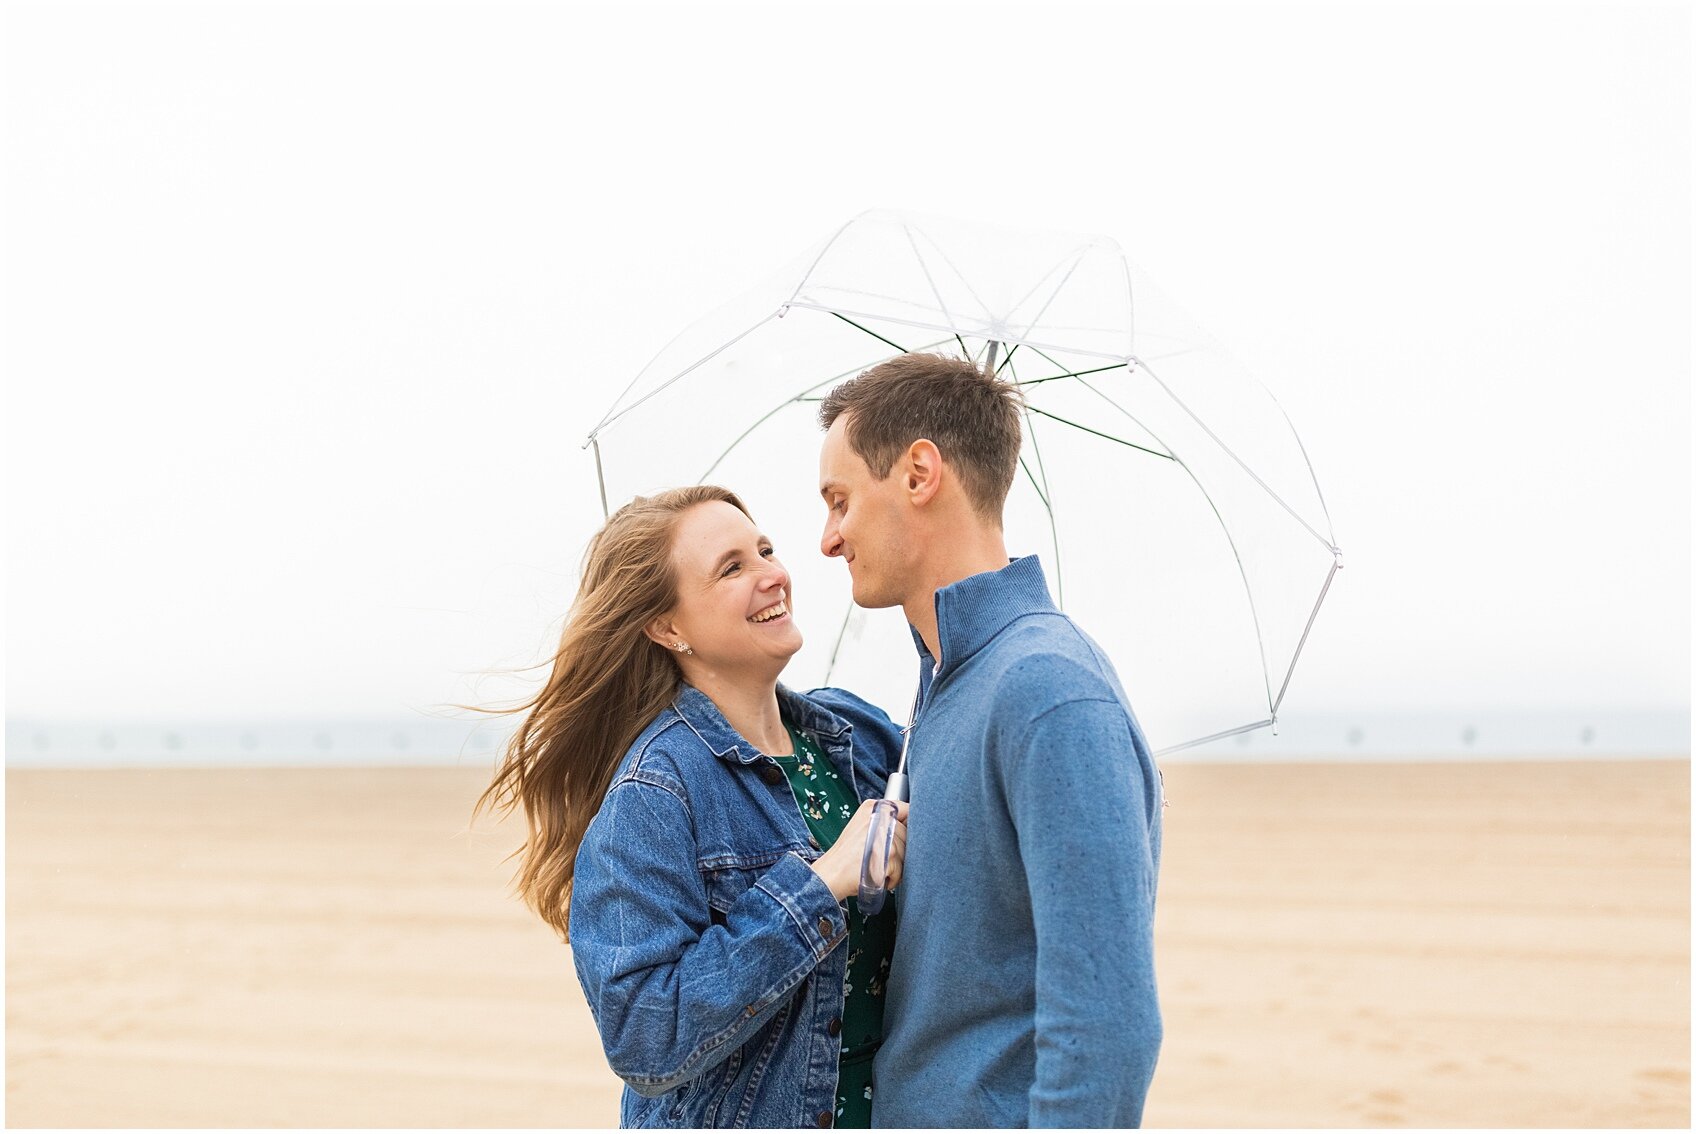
(734, 565)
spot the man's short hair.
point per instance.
(969, 414)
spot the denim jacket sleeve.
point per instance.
(672, 992)
(1080, 798)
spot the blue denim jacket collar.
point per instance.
(707, 722)
(971, 612)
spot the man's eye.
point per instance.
(769, 551)
(730, 568)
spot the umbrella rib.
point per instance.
(1034, 483)
(836, 649)
(743, 436)
(1053, 533)
(674, 379)
(1047, 494)
(1043, 278)
(958, 274)
(1229, 452)
(1216, 736)
(1305, 460)
(1098, 433)
(1052, 361)
(1336, 564)
(1068, 374)
(1055, 294)
(825, 251)
(801, 397)
(872, 333)
(1248, 591)
(600, 478)
(1116, 359)
(925, 268)
(1336, 553)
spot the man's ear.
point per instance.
(922, 471)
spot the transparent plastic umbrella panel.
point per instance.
(1166, 492)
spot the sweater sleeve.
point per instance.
(672, 993)
(1080, 803)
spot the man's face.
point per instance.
(865, 521)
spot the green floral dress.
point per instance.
(827, 803)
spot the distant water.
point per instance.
(191, 742)
(260, 742)
(1491, 735)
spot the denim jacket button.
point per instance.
(771, 774)
(824, 1119)
(834, 1027)
(824, 928)
(813, 841)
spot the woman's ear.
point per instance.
(663, 632)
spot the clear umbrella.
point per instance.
(1167, 493)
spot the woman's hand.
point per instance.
(839, 866)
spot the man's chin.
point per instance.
(868, 599)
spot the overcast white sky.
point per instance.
(309, 308)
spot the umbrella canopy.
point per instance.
(1165, 490)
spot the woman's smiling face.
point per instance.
(734, 604)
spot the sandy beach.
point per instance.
(1489, 944)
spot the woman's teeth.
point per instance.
(770, 613)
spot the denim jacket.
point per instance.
(707, 947)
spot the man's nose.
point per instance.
(830, 543)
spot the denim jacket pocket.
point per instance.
(678, 1101)
(726, 1078)
(726, 882)
(634, 1110)
(696, 1104)
(724, 885)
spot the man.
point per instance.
(1022, 987)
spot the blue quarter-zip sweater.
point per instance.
(1022, 989)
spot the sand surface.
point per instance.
(1377, 945)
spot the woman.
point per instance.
(695, 828)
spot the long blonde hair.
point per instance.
(609, 681)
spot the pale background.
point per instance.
(310, 308)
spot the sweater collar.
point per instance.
(971, 612)
(707, 722)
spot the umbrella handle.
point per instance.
(880, 841)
